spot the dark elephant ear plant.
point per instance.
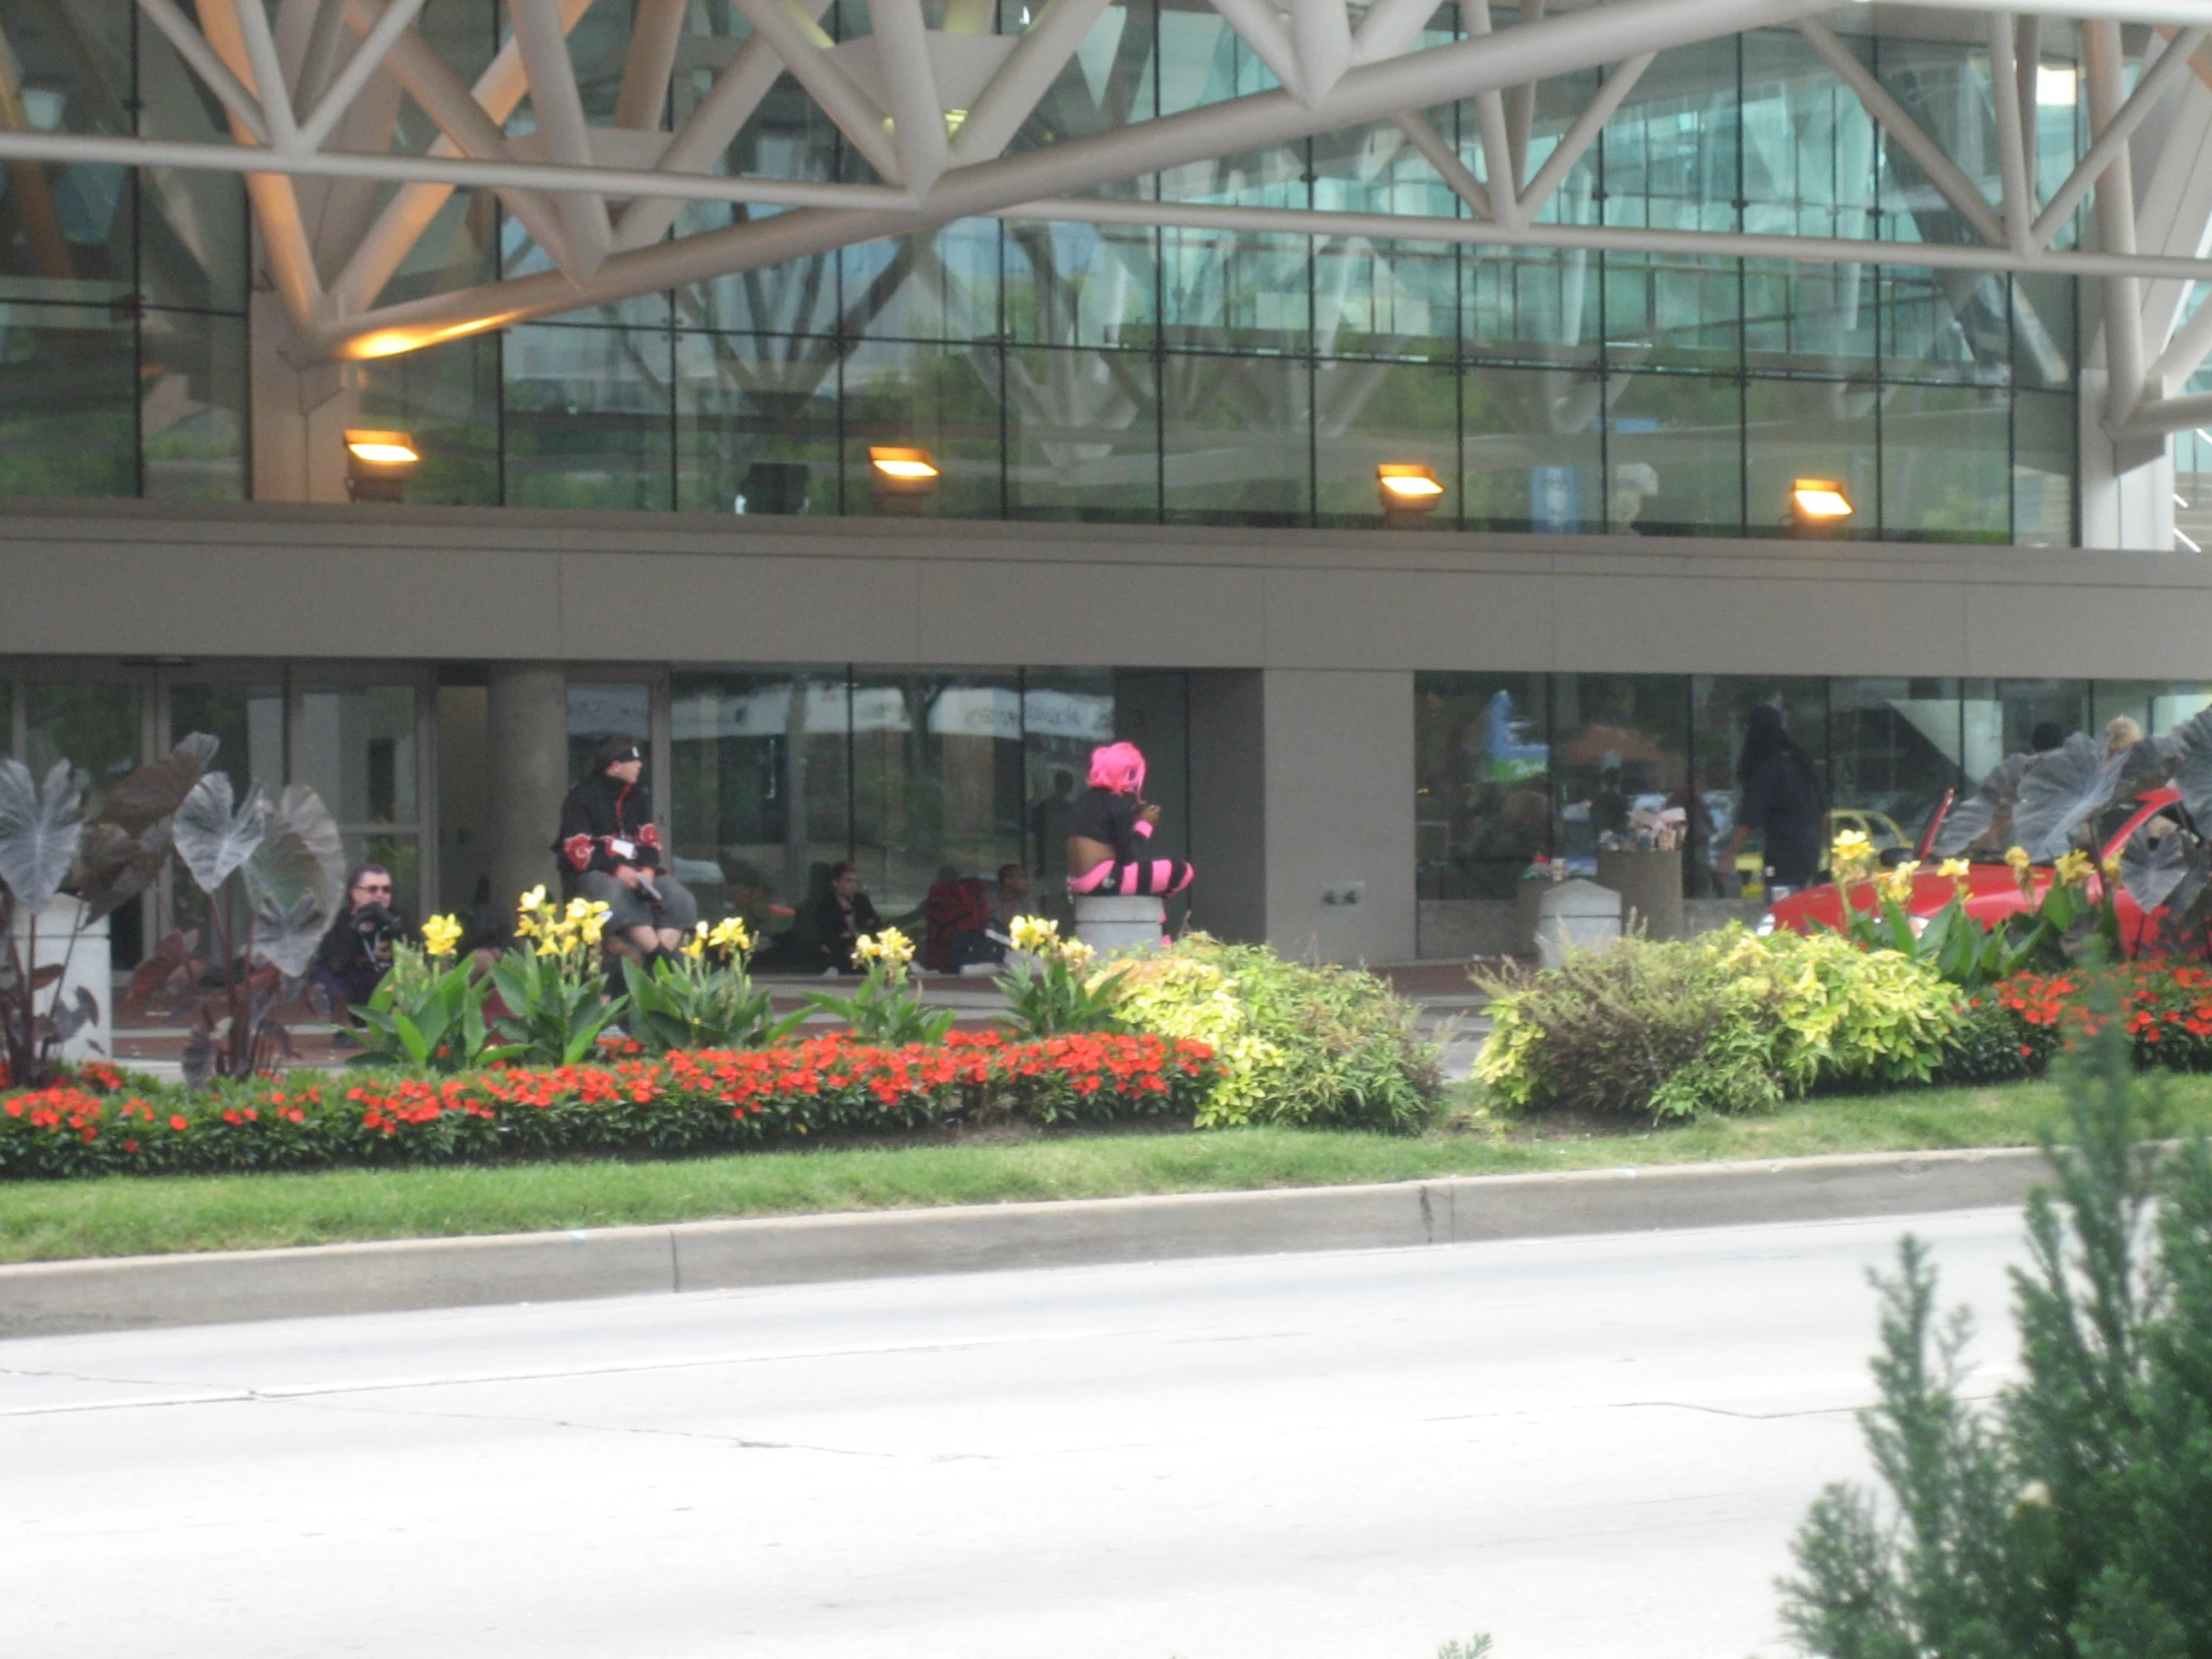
(275, 876)
(48, 847)
(2042, 802)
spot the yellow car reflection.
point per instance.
(1880, 828)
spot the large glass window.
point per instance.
(358, 747)
(938, 780)
(1894, 746)
(1721, 706)
(1482, 781)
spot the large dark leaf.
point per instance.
(2152, 870)
(114, 867)
(2062, 791)
(157, 790)
(300, 857)
(39, 831)
(284, 936)
(212, 837)
(1988, 809)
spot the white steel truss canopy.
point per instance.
(941, 103)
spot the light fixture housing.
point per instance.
(1410, 491)
(379, 464)
(1819, 503)
(904, 478)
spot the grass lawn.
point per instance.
(53, 1220)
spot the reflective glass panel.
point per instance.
(758, 805)
(589, 417)
(1809, 429)
(245, 717)
(95, 726)
(2005, 717)
(1721, 706)
(358, 750)
(1372, 413)
(1083, 438)
(1237, 440)
(447, 398)
(1481, 781)
(191, 404)
(1894, 749)
(938, 780)
(916, 396)
(756, 423)
(1674, 452)
(1620, 743)
(1533, 451)
(1944, 471)
(66, 378)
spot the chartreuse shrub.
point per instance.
(1726, 1022)
(1298, 1043)
(2071, 1518)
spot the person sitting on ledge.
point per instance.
(1105, 824)
(610, 845)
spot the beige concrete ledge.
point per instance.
(132, 1292)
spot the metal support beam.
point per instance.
(917, 114)
(367, 59)
(799, 41)
(1575, 143)
(654, 34)
(1503, 181)
(193, 47)
(559, 108)
(2004, 91)
(2102, 63)
(2168, 72)
(1024, 78)
(1944, 173)
(1446, 160)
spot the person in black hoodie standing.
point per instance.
(611, 845)
(1781, 802)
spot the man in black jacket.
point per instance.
(611, 844)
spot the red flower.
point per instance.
(177, 1123)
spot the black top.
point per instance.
(1099, 815)
(354, 943)
(606, 823)
(1784, 804)
(832, 924)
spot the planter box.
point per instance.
(87, 983)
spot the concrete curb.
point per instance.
(139, 1291)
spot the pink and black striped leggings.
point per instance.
(1149, 875)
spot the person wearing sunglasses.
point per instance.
(356, 952)
(610, 849)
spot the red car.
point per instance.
(1992, 890)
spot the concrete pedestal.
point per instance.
(86, 989)
(1575, 916)
(1650, 886)
(1133, 923)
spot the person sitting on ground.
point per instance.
(844, 916)
(355, 953)
(1011, 899)
(610, 843)
(957, 920)
(1107, 822)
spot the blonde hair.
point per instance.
(2121, 732)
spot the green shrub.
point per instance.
(2070, 1519)
(1300, 1043)
(1727, 1022)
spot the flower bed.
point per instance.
(100, 1122)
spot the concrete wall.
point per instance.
(1340, 813)
(477, 584)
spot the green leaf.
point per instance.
(419, 1047)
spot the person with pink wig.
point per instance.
(1106, 824)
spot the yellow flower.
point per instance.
(891, 948)
(1076, 953)
(1897, 884)
(2074, 869)
(695, 947)
(2112, 867)
(1851, 854)
(440, 934)
(2018, 858)
(1954, 870)
(730, 934)
(1035, 934)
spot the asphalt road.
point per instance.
(1590, 1448)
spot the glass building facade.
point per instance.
(1511, 768)
(1065, 371)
